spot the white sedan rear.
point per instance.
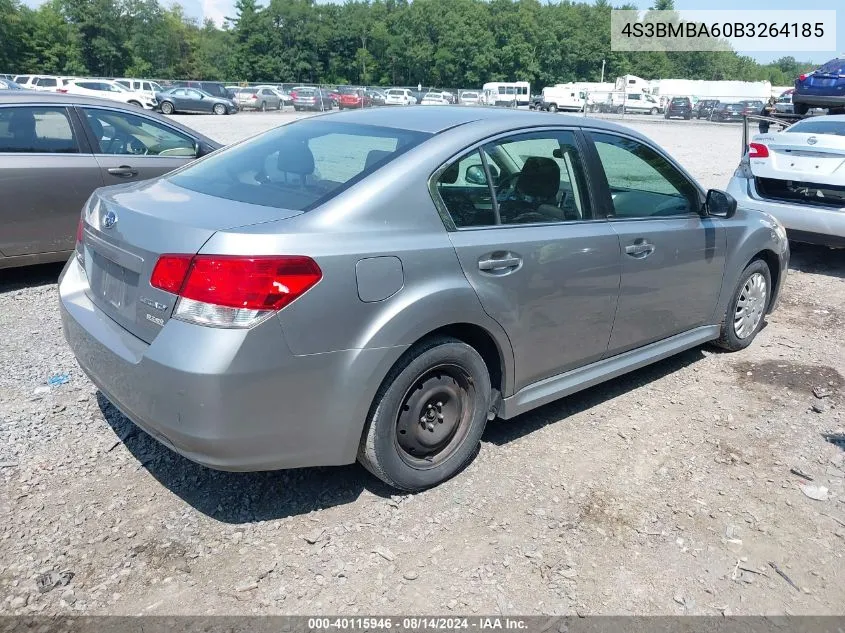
(798, 176)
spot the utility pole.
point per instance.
(602, 71)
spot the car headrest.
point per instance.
(539, 178)
(295, 158)
(450, 176)
(375, 156)
(96, 126)
(22, 124)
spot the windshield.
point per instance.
(297, 166)
(836, 128)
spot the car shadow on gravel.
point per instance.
(500, 432)
(12, 279)
(817, 259)
(242, 497)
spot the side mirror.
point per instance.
(475, 175)
(720, 204)
(199, 150)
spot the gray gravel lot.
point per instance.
(667, 491)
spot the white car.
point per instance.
(434, 98)
(142, 86)
(798, 176)
(26, 81)
(108, 89)
(470, 97)
(399, 96)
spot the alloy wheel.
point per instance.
(750, 306)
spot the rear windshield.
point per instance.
(248, 91)
(297, 166)
(833, 67)
(680, 101)
(396, 92)
(734, 107)
(818, 127)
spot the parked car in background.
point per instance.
(289, 280)
(377, 96)
(258, 98)
(334, 95)
(470, 97)
(213, 88)
(8, 84)
(796, 175)
(314, 99)
(26, 81)
(726, 112)
(752, 106)
(284, 96)
(704, 108)
(351, 97)
(55, 149)
(108, 89)
(679, 107)
(535, 103)
(783, 104)
(399, 96)
(434, 98)
(142, 86)
(181, 99)
(822, 88)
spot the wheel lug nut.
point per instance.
(430, 427)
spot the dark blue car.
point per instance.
(822, 88)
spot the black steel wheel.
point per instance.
(428, 416)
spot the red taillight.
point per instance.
(62, 90)
(169, 272)
(802, 77)
(255, 96)
(250, 283)
(758, 150)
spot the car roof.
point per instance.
(436, 119)
(32, 97)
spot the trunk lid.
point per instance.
(127, 227)
(818, 158)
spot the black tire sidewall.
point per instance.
(383, 420)
(167, 108)
(729, 338)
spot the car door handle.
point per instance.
(124, 171)
(500, 264)
(639, 249)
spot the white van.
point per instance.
(504, 93)
(143, 86)
(566, 97)
(636, 102)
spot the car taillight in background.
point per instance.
(233, 291)
(802, 76)
(254, 97)
(758, 150)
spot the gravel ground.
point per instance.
(666, 491)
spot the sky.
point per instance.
(217, 10)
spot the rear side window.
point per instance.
(833, 67)
(47, 82)
(40, 130)
(297, 166)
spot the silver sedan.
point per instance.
(377, 285)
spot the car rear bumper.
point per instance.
(229, 399)
(822, 101)
(803, 222)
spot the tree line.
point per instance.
(446, 43)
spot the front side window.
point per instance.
(36, 129)
(536, 178)
(121, 133)
(298, 166)
(642, 183)
(122, 82)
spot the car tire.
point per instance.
(800, 108)
(166, 107)
(552, 107)
(219, 109)
(135, 103)
(653, 111)
(264, 106)
(751, 298)
(434, 402)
